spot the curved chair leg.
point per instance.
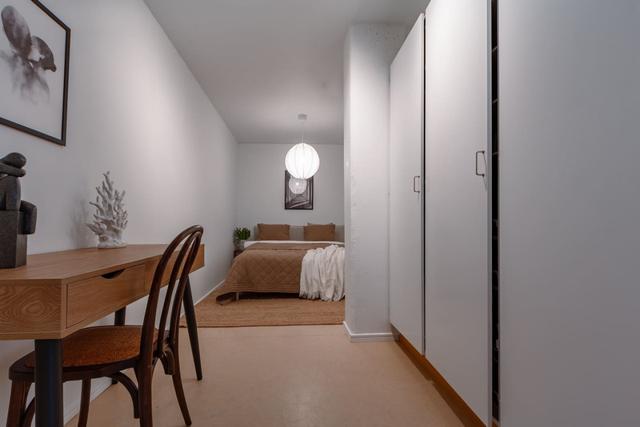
(131, 388)
(177, 385)
(29, 414)
(144, 397)
(17, 403)
(85, 400)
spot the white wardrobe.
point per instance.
(567, 85)
(406, 164)
(439, 217)
(457, 264)
(570, 212)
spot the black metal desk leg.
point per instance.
(120, 319)
(192, 325)
(49, 383)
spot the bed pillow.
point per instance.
(273, 232)
(320, 232)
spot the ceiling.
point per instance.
(264, 61)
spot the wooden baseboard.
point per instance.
(453, 399)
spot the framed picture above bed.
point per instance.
(298, 193)
(34, 69)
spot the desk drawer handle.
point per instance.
(113, 274)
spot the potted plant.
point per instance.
(239, 236)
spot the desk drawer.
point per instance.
(94, 298)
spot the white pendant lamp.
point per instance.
(302, 160)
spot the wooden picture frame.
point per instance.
(34, 94)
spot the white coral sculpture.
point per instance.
(110, 219)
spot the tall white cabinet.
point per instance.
(439, 207)
(570, 212)
(568, 104)
(457, 198)
(406, 295)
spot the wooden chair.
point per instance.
(107, 351)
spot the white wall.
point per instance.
(570, 206)
(369, 50)
(134, 109)
(260, 186)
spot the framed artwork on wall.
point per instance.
(298, 193)
(34, 69)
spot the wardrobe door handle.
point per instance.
(478, 173)
(416, 189)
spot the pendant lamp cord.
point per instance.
(304, 122)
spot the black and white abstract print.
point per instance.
(29, 59)
(33, 59)
(298, 200)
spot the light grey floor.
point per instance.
(299, 376)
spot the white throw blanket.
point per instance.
(322, 275)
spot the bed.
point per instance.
(275, 266)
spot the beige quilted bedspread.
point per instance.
(268, 267)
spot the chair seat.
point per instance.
(102, 345)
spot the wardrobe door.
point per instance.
(570, 212)
(405, 211)
(457, 209)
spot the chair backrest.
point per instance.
(179, 256)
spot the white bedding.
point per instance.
(322, 275)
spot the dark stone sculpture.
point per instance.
(17, 217)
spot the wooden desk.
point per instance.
(58, 293)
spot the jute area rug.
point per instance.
(266, 310)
